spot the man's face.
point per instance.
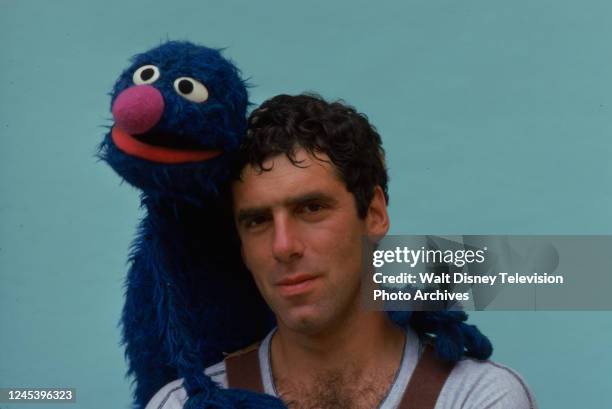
(301, 239)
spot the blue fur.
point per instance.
(453, 337)
(189, 298)
(218, 123)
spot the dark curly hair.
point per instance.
(285, 123)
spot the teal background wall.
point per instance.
(496, 116)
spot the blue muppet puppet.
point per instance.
(179, 115)
(180, 112)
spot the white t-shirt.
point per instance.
(472, 384)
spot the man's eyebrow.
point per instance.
(310, 197)
(249, 212)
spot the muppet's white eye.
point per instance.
(191, 89)
(147, 74)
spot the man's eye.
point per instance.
(313, 207)
(254, 222)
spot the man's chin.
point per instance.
(305, 320)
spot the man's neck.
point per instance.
(366, 342)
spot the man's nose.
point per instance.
(287, 245)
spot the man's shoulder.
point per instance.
(485, 384)
(218, 374)
(173, 395)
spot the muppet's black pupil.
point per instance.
(185, 86)
(147, 74)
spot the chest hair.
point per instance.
(348, 389)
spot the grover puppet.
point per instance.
(180, 113)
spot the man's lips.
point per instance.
(132, 146)
(296, 284)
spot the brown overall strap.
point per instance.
(242, 369)
(426, 381)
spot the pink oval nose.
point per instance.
(138, 108)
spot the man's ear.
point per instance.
(377, 219)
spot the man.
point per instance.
(312, 184)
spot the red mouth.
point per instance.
(296, 284)
(132, 146)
